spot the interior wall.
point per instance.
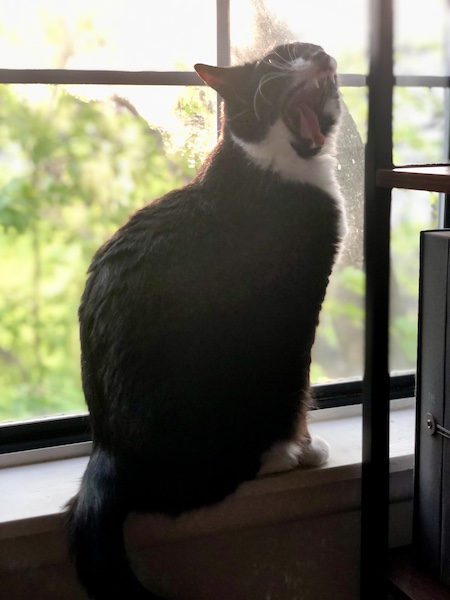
(307, 559)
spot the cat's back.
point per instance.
(235, 221)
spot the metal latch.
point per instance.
(433, 427)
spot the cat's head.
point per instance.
(290, 95)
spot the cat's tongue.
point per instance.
(308, 125)
(302, 110)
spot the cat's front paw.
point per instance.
(315, 452)
(284, 456)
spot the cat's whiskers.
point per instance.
(283, 65)
(264, 80)
(237, 115)
(284, 60)
(293, 58)
(239, 97)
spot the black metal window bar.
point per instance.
(376, 380)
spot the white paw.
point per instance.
(285, 456)
(315, 453)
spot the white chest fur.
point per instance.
(276, 153)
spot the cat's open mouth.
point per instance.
(303, 107)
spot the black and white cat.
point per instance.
(199, 315)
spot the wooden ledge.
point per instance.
(432, 178)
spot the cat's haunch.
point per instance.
(199, 315)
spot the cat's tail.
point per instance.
(96, 517)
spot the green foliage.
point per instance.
(72, 172)
(196, 109)
(74, 169)
(418, 125)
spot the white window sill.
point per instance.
(36, 485)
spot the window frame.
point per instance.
(55, 431)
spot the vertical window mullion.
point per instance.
(223, 41)
(223, 33)
(376, 382)
(444, 199)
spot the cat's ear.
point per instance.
(225, 80)
(215, 77)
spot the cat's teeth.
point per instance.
(315, 83)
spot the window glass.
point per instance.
(420, 37)
(418, 136)
(74, 167)
(420, 48)
(338, 352)
(418, 125)
(411, 212)
(340, 27)
(77, 160)
(256, 26)
(105, 34)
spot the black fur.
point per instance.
(196, 328)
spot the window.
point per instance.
(101, 112)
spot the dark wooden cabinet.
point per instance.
(407, 580)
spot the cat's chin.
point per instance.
(285, 456)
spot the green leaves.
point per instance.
(71, 171)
